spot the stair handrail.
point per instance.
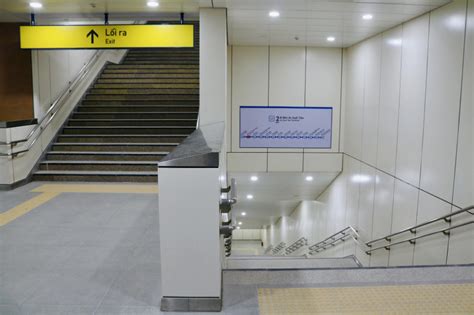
(302, 241)
(412, 240)
(412, 229)
(55, 107)
(330, 241)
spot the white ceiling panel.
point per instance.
(274, 195)
(301, 22)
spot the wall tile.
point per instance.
(412, 99)
(373, 51)
(442, 99)
(389, 100)
(464, 180)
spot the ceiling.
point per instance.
(274, 195)
(301, 22)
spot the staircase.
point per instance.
(134, 115)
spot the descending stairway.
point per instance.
(135, 114)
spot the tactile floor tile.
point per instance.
(407, 299)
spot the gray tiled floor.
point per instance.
(83, 253)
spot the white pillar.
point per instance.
(212, 65)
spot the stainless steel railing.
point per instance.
(56, 106)
(368, 247)
(446, 218)
(302, 241)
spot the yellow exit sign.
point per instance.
(106, 36)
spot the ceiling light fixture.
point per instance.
(36, 5)
(367, 17)
(253, 178)
(309, 178)
(152, 4)
(244, 214)
(249, 196)
(238, 228)
(331, 38)
(274, 14)
(240, 223)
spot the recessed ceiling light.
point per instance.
(244, 214)
(274, 14)
(238, 228)
(249, 196)
(309, 178)
(367, 16)
(331, 38)
(152, 4)
(36, 5)
(253, 178)
(240, 223)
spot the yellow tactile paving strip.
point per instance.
(50, 191)
(25, 207)
(406, 299)
(104, 189)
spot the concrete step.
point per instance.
(138, 91)
(136, 115)
(104, 156)
(141, 75)
(117, 166)
(137, 108)
(144, 97)
(157, 130)
(134, 86)
(149, 81)
(102, 138)
(132, 122)
(122, 66)
(114, 147)
(151, 71)
(96, 176)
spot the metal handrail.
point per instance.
(302, 241)
(412, 240)
(412, 229)
(53, 110)
(342, 235)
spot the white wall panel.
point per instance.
(405, 207)
(246, 162)
(464, 185)
(412, 99)
(287, 76)
(445, 57)
(373, 52)
(461, 241)
(59, 71)
(354, 101)
(285, 162)
(389, 100)
(431, 250)
(249, 85)
(323, 84)
(44, 84)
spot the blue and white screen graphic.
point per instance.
(285, 127)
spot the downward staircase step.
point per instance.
(135, 86)
(151, 71)
(159, 66)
